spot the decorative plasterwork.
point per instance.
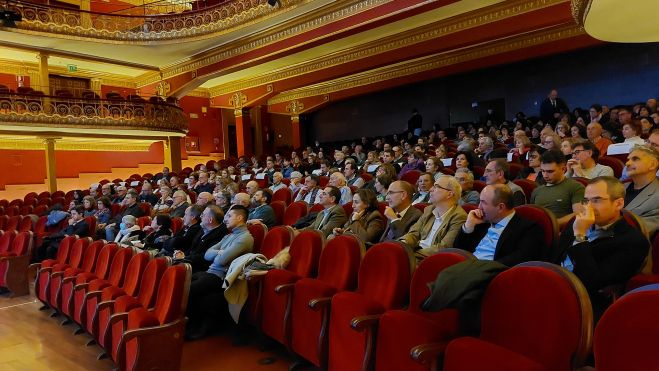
(432, 31)
(76, 144)
(579, 10)
(198, 92)
(295, 107)
(295, 27)
(430, 63)
(113, 28)
(238, 100)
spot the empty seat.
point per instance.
(545, 219)
(284, 195)
(279, 207)
(14, 264)
(86, 265)
(294, 211)
(45, 268)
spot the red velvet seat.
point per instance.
(101, 267)
(411, 176)
(4, 219)
(146, 208)
(648, 279)
(91, 223)
(27, 209)
(284, 195)
(274, 241)
(347, 208)
(154, 339)
(12, 210)
(32, 195)
(295, 211)
(6, 240)
(44, 269)
(514, 169)
(421, 206)
(383, 284)
(527, 328)
(398, 331)
(279, 207)
(258, 232)
(146, 297)
(143, 221)
(478, 172)
(468, 207)
(13, 222)
(316, 208)
(57, 278)
(613, 163)
(177, 224)
(322, 181)
(626, 335)
(527, 186)
(14, 264)
(337, 271)
(545, 219)
(479, 185)
(305, 252)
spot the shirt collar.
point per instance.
(503, 223)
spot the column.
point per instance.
(44, 80)
(295, 129)
(172, 147)
(257, 122)
(85, 18)
(51, 170)
(243, 132)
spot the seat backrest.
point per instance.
(421, 206)
(322, 181)
(625, 335)
(4, 219)
(26, 224)
(13, 222)
(339, 262)
(551, 326)
(118, 267)
(545, 219)
(143, 221)
(146, 208)
(64, 249)
(78, 249)
(40, 225)
(514, 169)
(385, 273)
(22, 244)
(305, 252)
(13, 210)
(173, 293)
(347, 208)
(295, 211)
(282, 194)
(133, 272)
(411, 176)
(427, 272)
(150, 281)
(527, 186)
(613, 163)
(6, 240)
(91, 253)
(91, 223)
(275, 240)
(258, 232)
(177, 224)
(479, 185)
(279, 207)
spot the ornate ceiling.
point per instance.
(306, 54)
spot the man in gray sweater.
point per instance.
(206, 287)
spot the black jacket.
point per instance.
(522, 240)
(195, 254)
(182, 240)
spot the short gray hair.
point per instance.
(467, 173)
(453, 185)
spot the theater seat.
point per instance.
(279, 207)
(154, 339)
(545, 219)
(278, 283)
(284, 195)
(524, 327)
(337, 271)
(57, 278)
(648, 279)
(398, 331)
(383, 284)
(626, 335)
(45, 268)
(411, 176)
(258, 232)
(14, 264)
(295, 211)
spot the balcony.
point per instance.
(32, 111)
(193, 24)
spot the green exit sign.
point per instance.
(72, 67)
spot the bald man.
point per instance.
(594, 133)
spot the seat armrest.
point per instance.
(319, 303)
(431, 354)
(288, 287)
(363, 323)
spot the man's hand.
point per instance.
(474, 218)
(178, 255)
(110, 226)
(337, 231)
(584, 220)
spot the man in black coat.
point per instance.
(599, 246)
(182, 239)
(495, 232)
(213, 230)
(132, 208)
(553, 107)
(77, 226)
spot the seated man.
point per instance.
(338, 180)
(642, 194)
(400, 213)
(296, 181)
(262, 212)
(179, 204)
(332, 216)
(206, 284)
(119, 195)
(497, 171)
(583, 163)
(251, 187)
(147, 194)
(309, 192)
(351, 174)
(204, 199)
(424, 185)
(277, 183)
(599, 246)
(77, 226)
(561, 195)
(242, 199)
(495, 232)
(441, 221)
(203, 185)
(183, 238)
(213, 230)
(466, 179)
(132, 208)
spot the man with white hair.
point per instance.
(641, 193)
(296, 181)
(441, 221)
(466, 179)
(177, 210)
(242, 199)
(485, 147)
(128, 231)
(338, 180)
(120, 194)
(339, 158)
(204, 198)
(277, 183)
(252, 186)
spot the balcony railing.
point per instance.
(36, 110)
(140, 28)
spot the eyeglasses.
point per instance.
(533, 156)
(594, 200)
(392, 192)
(440, 187)
(548, 142)
(578, 151)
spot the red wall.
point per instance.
(207, 126)
(11, 82)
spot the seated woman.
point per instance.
(88, 204)
(160, 232)
(522, 145)
(415, 161)
(464, 159)
(382, 183)
(103, 212)
(372, 162)
(366, 222)
(128, 231)
(165, 201)
(532, 172)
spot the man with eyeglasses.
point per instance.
(332, 216)
(400, 213)
(599, 246)
(583, 163)
(497, 171)
(466, 179)
(642, 194)
(441, 221)
(561, 195)
(494, 231)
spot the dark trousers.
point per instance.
(206, 302)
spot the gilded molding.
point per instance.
(431, 31)
(221, 19)
(69, 144)
(429, 63)
(579, 10)
(198, 92)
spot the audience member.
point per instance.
(179, 204)
(365, 222)
(204, 198)
(424, 184)
(120, 193)
(76, 226)
(203, 185)
(131, 208)
(223, 200)
(594, 134)
(165, 202)
(277, 183)
(400, 213)
(88, 205)
(128, 231)
(642, 193)
(160, 231)
(262, 211)
(251, 187)
(498, 172)
(466, 180)
(147, 194)
(332, 216)
(351, 174)
(553, 107)
(183, 238)
(338, 180)
(103, 212)
(309, 192)
(213, 230)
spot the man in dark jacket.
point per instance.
(213, 230)
(132, 208)
(77, 226)
(599, 246)
(182, 240)
(495, 232)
